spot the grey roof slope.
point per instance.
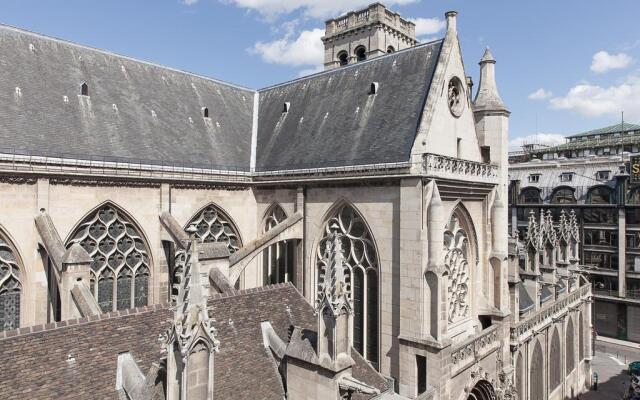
(334, 121)
(35, 116)
(615, 128)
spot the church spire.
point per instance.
(487, 97)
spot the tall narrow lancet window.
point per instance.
(581, 339)
(277, 259)
(555, 364)
(214, 225)
(361, 256)
(536, 377)
(84, 89)
(120, 267)
(570, 347)
(10, 286)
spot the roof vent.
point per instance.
(114, 107)
(374, 88)
(190, 120)
(84, 89)
(32, 48)
(18, 91)
(205, 112)
(286, 107)
(217, 124)
(65, 99)
(357, 109)
(153, 114)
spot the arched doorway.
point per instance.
(482, 391)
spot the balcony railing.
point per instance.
(454, 168)
(474, 348)
(544, 316)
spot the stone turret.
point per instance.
(191, 339)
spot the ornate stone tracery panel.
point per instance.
(10, 286)
(214, 225)
(277, 259)
(361, 256)
(120, 267)
(456, 262)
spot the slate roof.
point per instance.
(153, 104)
(333, 119)
(526, 303)
(141, 111)
(244, 369)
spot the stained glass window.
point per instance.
(118, 251)
(361, 256)
(215, 226)
(10, 287)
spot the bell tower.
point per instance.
(364, 34)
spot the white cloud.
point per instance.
(310, 8)
(540, 94)
(594, 101)
(550, 139)
(427, 26)
(189, 2)
(305, 50)
(603, 61)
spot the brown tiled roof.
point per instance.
(76, 359)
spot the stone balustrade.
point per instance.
(543, 317)
(474, 348)
(439, 166)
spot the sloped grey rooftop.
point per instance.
(138, 111)
(333, 120)
(134, 109)
(616, 128)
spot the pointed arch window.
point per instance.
(214, 225)
(457, 255)
(361, 256)
(520, 375)
(277, 259)
(536, 379)
(10, 286)
(119, 253)
(555, 366)
(570, 347)
(581, 339)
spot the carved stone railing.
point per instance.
(474, 348)
(454, 168)
(543, 317)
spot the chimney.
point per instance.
(451, 21)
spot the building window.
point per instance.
(536, 377)
(566, 176)
(421, 371)
(563, 196)
(361, 53)
(205, 112)
(600, 195)
(600, 237)
(343, 58)
(119, 253)
(84, 89)
(580, 338)
(634, 196)
(361, 257)
(277, 259)
(570, 358)
(601, 260)
(530, 196)
(213, 225)
(390, 49)
(603, 175)
(534, 178)
(10, 286)
(555, 364)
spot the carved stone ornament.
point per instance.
(456, 249)
(455, 97)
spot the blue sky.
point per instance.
(563, 66)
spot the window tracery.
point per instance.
(10, 287)
(277, 259)
(456, 249)
(361, 256)
(215, 226)
(119, 254)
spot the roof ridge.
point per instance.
(122, 56)
(40, 328)
(350, 66)
(255, 290)
(613, 128)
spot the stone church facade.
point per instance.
(343, 235)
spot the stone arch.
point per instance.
(278, 259)
(460, 258)
(563, 195)
(361, 254)
(520, 375)
(555, 361)
(536, 373)
(121, 256)
(570, 347)
(600, 194)
(483, 390)
(12, 279)
(530, 195)
(216, 225)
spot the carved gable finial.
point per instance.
(533, 234)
